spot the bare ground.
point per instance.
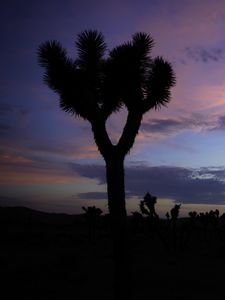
(45, 256)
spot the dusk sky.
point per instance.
(48, 159)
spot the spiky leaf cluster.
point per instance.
(95, 85)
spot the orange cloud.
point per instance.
(20, 169)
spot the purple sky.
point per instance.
(48, 159)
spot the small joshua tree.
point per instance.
(92, 215)
(193, 219)
(193, 215)
(147, 206)
(174, 212)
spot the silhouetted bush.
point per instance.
(92, 215)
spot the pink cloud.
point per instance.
(18, 168)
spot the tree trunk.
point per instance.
(118, 215)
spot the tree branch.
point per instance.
(101, 137)
(129, 132)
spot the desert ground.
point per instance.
(52, 256)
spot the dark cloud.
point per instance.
(61, 147)
(12, 117)
(200, 54)
(173, 126)
(4, 128)
(195, 122)
(32, 166)
(163, 125)
(5, 108)
(220, 123)
(24, 111)
(92, 195)
(205, 185)
(90, 171)
(178, 183)
(217, 124)
(12, 201)
(52, 148)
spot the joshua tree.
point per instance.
(193, 215)
(167, 216)
(193, 219)
(147, 206)
(175, 212)
(95, 85)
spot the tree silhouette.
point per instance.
(147, 206)
(95, 85)
(174, 212)
(92, 215)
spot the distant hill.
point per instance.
(24, 215)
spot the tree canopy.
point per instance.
(99, 82)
